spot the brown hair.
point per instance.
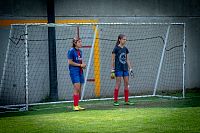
(119, 37)
(74, 41)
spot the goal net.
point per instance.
(156, 53)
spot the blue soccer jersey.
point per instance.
(76, 72)
(120, 58)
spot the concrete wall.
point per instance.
(151, 8)
(186, 11)
(127, 8)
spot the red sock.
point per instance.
(116, 94)
(76, 100)
(126, 94)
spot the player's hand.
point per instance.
(131, 73)
(83, 65)
(112, 74)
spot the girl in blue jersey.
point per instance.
(76, 67)
(120, 67)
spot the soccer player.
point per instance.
(76, 67)
(120, 66)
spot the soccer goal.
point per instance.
(157, 55)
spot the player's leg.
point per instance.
(76, 96)
(81, 83)
(118, 75)
(126, 89)
(75, 77)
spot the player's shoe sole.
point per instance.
(81, 108)
(116, 103)
(78, 108)
(128, 103)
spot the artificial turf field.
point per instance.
(146, 115)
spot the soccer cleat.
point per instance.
(81, 108)
(116, 103)
(76, 108)
(129, 103)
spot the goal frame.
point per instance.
(88, 68)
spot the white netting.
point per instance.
(144, 41)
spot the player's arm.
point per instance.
(70, 62)
(70, 55)
(113, 66)
(129, 66)
(84, 64)
(113, 61)
(128, 62)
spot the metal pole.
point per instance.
(184, 61)
(161, 62)
(53, 81)
(89, 62)
(26, 63)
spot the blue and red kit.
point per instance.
(76, 72)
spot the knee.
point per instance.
(117, 86)
(126, 85)
(76, 89)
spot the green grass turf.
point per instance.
(147, 115)
(117, 120)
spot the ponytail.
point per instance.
(119, 37)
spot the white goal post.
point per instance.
(156, 52)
